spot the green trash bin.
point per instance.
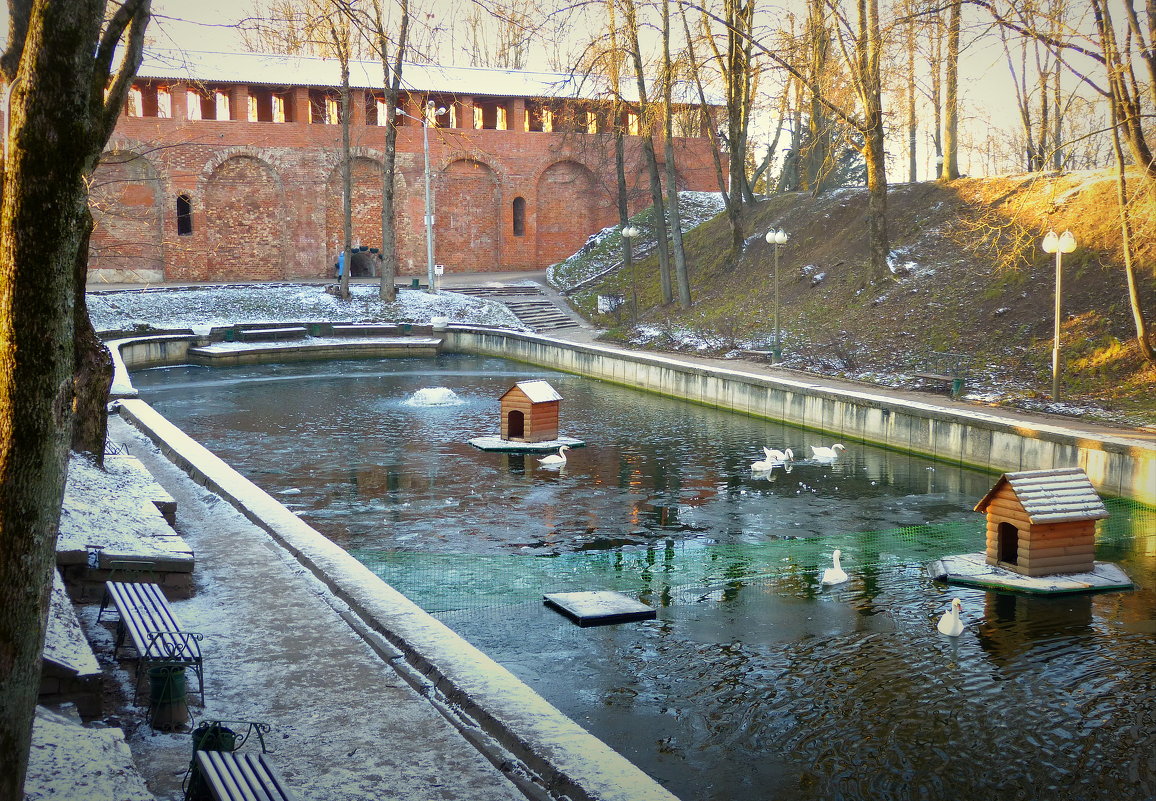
(415, 283)
(168, 705)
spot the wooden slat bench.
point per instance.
(949, 369)
(231, 776)
(148, 620)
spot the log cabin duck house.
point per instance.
(530, 412)
(1042, 522)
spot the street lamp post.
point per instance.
(630, 233)
(777, 239)
(1064, 243)
(431, 111)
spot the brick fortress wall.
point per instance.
(227, 199)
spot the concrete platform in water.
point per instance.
(496, 443)
(972, 570)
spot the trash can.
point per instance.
(168, 706)
(415, 283)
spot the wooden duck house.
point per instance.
(530, 412)
(1042, 522)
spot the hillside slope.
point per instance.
(967, 277)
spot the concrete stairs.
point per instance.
(533, 307)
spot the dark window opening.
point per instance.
(184, 215)
(519, 216)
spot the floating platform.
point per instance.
(598, 607)
(496, 443)
(972, 570)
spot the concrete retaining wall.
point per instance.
(973, 438)
(983, 440)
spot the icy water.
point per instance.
(755, 682)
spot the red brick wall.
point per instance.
(266, 196)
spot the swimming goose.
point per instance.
(558, 458)
(950, 623)
(836, 574)
(773, 459)
(825, 453)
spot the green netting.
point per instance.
(441, 582)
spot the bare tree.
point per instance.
(950, 170)
(681, 275)
(646, 121)
(69, 67)
(392, 53)
(319, 27)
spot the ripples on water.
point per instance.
(754, 683)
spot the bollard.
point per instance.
(167, 697)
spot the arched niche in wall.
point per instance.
(566, 211)
(126, 201)
(365, 202)
(244, 221)
(468, 215)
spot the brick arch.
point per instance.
(243, 220)
(467, 215)
(126, 199)
(366, 172)
(565, 211)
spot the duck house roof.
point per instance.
(1051, 496)
(538, 391)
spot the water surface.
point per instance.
(755, 682)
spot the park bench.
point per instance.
(219, 772)
(949, 369)
(146, 618)
(230, 776)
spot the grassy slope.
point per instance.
(969, 278)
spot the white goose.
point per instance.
(824, 453)
(836, 574)
(558, 458)
(950, 624)
(773, 459)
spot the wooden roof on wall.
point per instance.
(1051, 496)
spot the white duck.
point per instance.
(773, 459)
(950, 624)
(558, 458)
(836, 574)
(824, 453)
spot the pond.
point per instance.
(754, 681)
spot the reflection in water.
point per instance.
(755, 682)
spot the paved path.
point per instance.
(346, 726)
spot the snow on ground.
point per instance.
(204, 306)
(68, 762)
(603, 251)
(64, 641)
(95, 497)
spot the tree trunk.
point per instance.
(874, 152)
(680, 272)
(64, 104)
(41, 223)
(912, 119)
(951, 107)
(651, 160)
(1138, 318)
(93, 370)
(391, 82)
(346, 181)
